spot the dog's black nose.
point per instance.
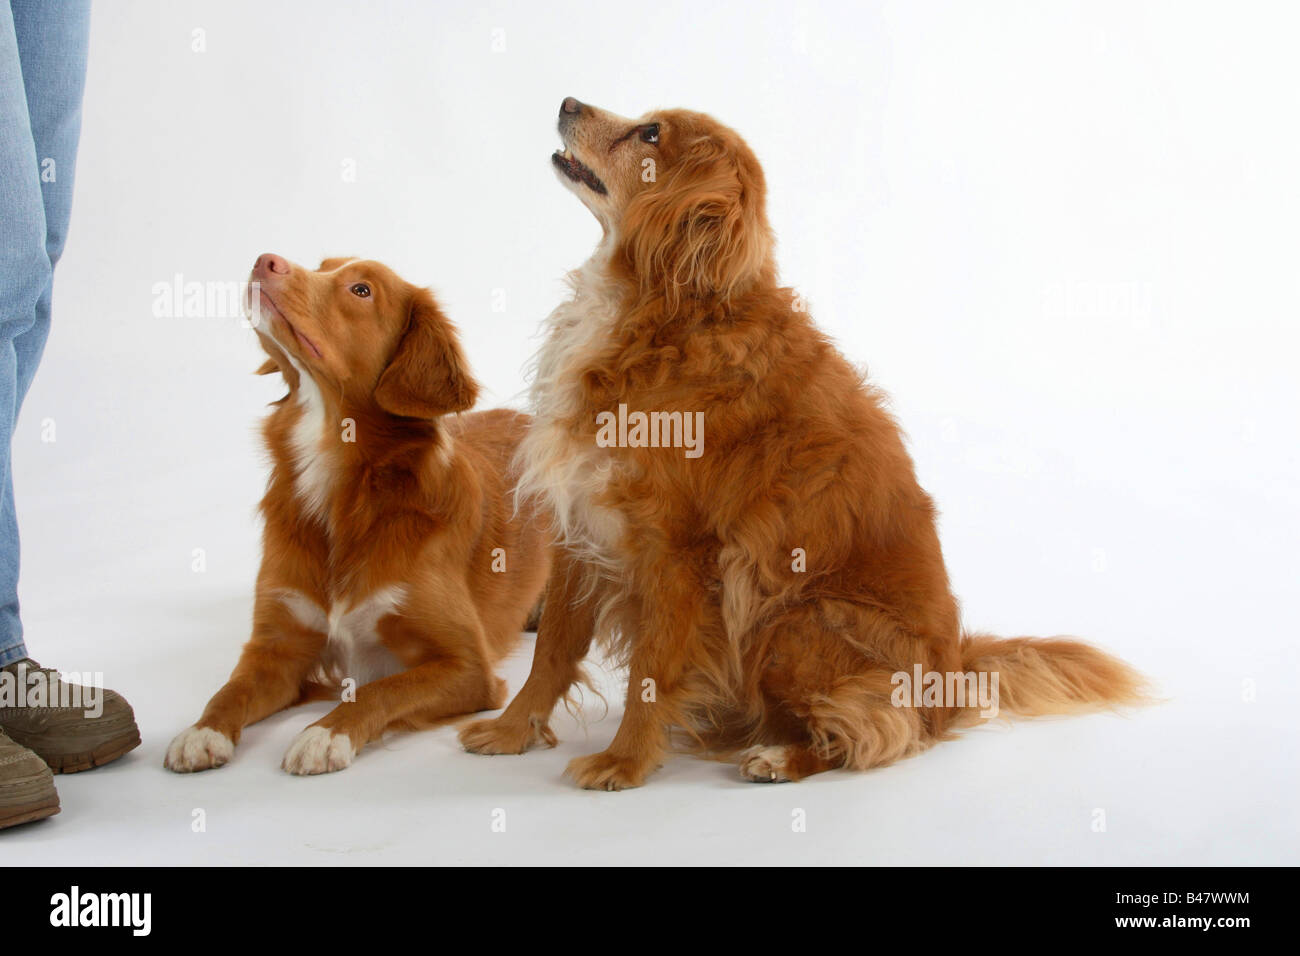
(570, 106)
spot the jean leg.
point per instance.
(26, 240)
(52, 42)
(24, 276)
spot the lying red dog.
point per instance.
(394, 561)
(770, 576)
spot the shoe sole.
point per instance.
(12, 816)
(105, 753)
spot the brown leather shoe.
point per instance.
(70, 727)
(26, 786)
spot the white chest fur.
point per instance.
(312, 468)
(352, 648)
(568, 471)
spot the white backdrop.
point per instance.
(1062, 236)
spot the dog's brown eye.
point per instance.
(650, 134)
(361, 289)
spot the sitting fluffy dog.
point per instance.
(690, 565)
(396, 569)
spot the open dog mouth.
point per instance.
(276, 315)
(567, 163)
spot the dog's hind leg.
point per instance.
(826, 703)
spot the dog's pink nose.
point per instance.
(269, 264)
(571, 106)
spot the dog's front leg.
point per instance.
(665, 644)
(288, 635)
(454, 678)
(568, 621)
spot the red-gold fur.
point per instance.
(687, 567)
(392, 553)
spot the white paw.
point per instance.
(198, 748)
(764, 764)
(318, 750)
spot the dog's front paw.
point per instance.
(318, 750)
(608, 771)
(499, 736)
(198, 748)
(764, 764)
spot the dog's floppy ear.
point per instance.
(701, 229)
(428, 375)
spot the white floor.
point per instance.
(1175, 789)
(1203, 778)
(1062, 238)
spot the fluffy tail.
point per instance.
(1042, 676)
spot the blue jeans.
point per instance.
(42, 76)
